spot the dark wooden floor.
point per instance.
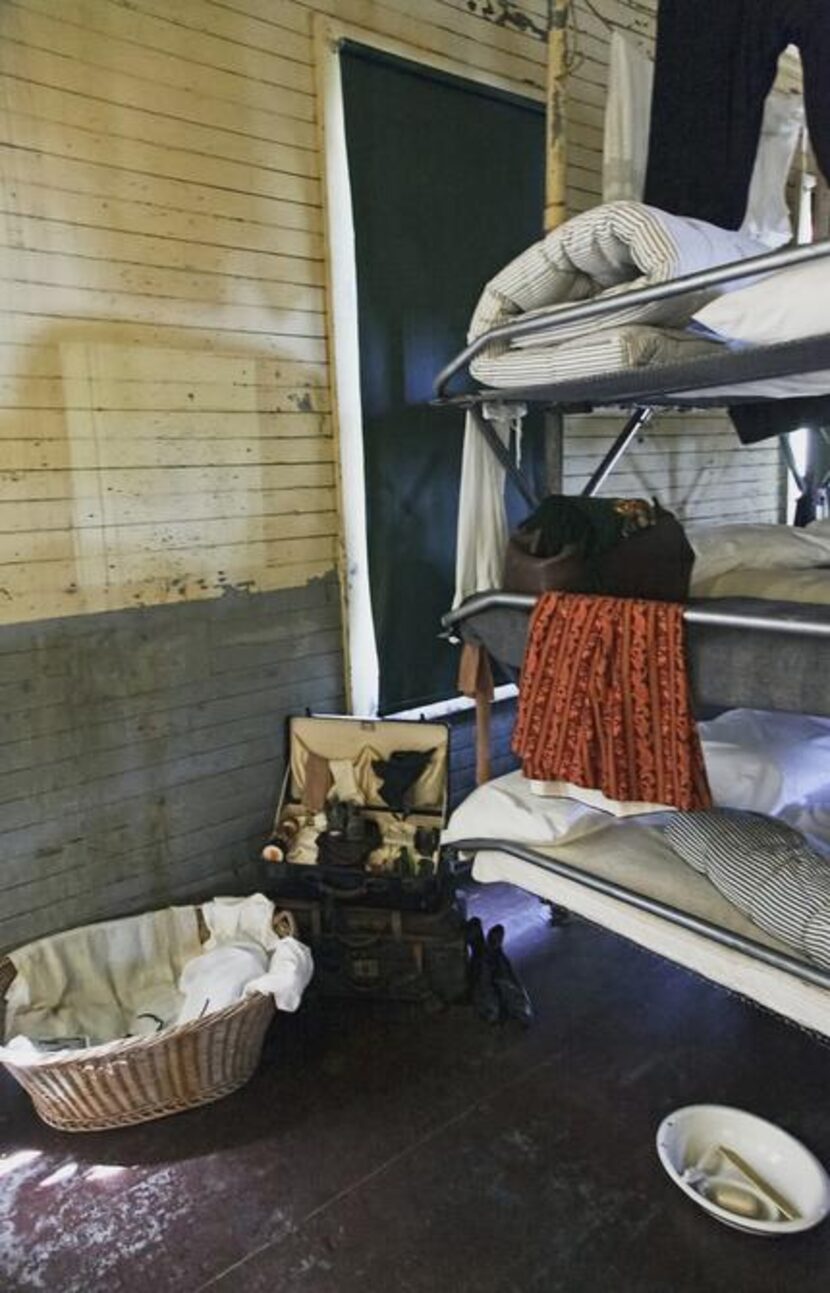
(388, 1149)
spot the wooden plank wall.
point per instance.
(163, 385)
(165, 421)
(167, 500)
(142, 749)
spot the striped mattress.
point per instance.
(606, 251)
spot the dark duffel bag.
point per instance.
(652, 559)
(385, 955)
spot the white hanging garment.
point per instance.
(627, 121)
(482, 515)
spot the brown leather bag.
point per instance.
(654, 563)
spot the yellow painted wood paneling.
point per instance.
(164, 388)
(165, 422)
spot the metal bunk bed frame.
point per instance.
(789, 619)
(748, 364)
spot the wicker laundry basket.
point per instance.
(143, 1078)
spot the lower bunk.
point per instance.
(622, 874)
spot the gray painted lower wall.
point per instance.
(141, 751)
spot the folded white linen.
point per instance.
(234, 920)
(508, 809)
(608, 350)
(218, 978)
(606, 251)
(596, 799)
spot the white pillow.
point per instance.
(507, 809)
(721, 548)
(777, 764)
(784, 306)
(626, 135)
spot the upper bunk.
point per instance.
(715, 375)
(743, 651)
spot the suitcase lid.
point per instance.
(364, 741)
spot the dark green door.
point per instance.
(447, 182)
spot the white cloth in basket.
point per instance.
(100, 981)
(99, 984)
(224, 974)
(235, 959)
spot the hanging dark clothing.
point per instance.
(715, 63)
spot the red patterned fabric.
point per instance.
(605, 702)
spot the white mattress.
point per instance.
(779, 585)
(636, 857)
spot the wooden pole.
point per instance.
(556, 209)
(475, 678)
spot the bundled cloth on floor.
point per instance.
(605, 703)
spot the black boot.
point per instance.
(511, 993)
(483, 993)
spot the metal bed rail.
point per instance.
(795, 625)
(674, 915)
(598, 307)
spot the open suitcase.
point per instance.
(382, 851)
(381, 926)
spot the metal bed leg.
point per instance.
(504, 457)
(789, 459)
(639, 418)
